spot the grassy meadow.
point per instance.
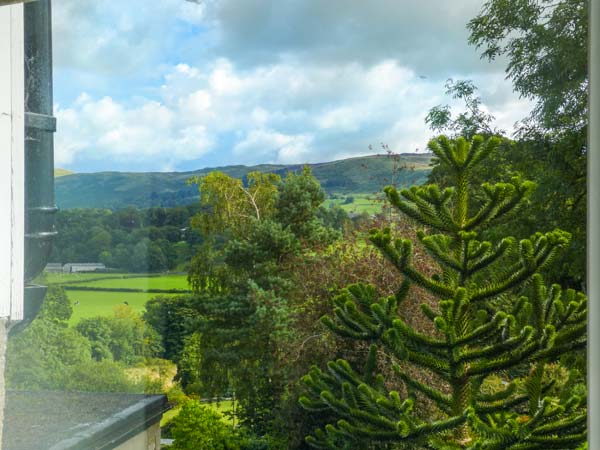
(146, 283)
(90, 303)
(102, 303)
(362, 203)
(51, 278)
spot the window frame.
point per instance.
(12, 176)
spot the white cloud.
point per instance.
(281, 113)
(275, 147)
(344, 118)
(106, 130)
(108, 37)
(259, 80)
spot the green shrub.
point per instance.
(101, 376)
(200, 427)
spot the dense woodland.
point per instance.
(455, 319)
(142, 240)
(133, 240)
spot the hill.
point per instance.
(116, 190)
(62, 172)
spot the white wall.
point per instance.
(148, 439)
(11, 161)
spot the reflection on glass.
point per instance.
(345, 230)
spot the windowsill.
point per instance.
(77, 421)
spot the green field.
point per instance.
(162, 282)
(99, 303)
(89, 303)
(70, 278)
(363, 203)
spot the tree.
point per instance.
(41, 356)
(156, 259)
(297, 206)
(334, 217)
(100, 240)
(261, 257)
(100, 376)
(173, 318)
(230, 205)
(129, 218)
(98, 331)
(50, 355)
(501, 164)
(472, 121)
(122, 256)
(106, 258)
(155, 217)
(556, 165)
(238, 332)
(200, 427)
(242, 279)
(498, 331)
(190, 363)
(123, 337)
(57, 308)
(545, 42)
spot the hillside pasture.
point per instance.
(97, 303)
(145, 283)
(91, 303)
(116, 190)
(52, 278)
(362, 203)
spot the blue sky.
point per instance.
(183, 85)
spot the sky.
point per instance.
(184, 85)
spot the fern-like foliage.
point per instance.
(495, 319)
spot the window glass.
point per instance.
(307, 224)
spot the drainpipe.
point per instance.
(40, 125)
(39, 168)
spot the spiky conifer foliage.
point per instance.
(495, 320)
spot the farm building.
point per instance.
(83, 267)
(53, 267)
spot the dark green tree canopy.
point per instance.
(545, 42)
(474, 120)
(496, 331)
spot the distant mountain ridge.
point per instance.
(115, 190)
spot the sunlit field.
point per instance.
(90, 303)
(146, 283)
(51, 278)
(358, 203)
(101, 303)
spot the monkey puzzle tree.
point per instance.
(496, 330)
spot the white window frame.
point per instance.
(12, 147)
